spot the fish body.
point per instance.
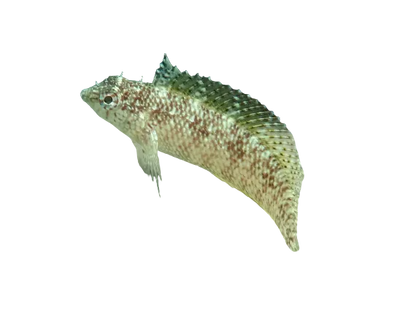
(213, 126)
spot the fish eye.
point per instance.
(108, 99)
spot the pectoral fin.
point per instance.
(146, 146)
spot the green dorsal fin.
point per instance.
(216, 93)
(165, 70)
(246, 110)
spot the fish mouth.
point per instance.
(87, 97)
(81, 96)
(86, 93)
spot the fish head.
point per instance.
(106, 98)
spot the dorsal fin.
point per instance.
(165, 70)
(247, 110)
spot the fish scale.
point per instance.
(213, 126)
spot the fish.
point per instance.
(213, 126)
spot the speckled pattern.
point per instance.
(193, 133)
